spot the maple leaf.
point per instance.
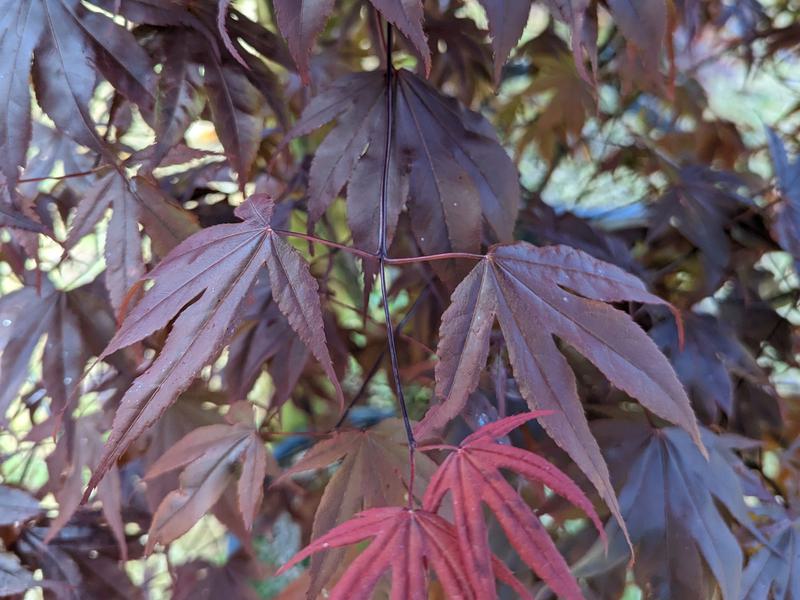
(700, 205)
(201, 579)
(786, 223)
(669, 501)
(14, 578)
(74, 43)
(373, 473)
(21, 26)
(772, 571)
(508, 18)
(237, 95)
(571, 101)
(178, 99)
(538, 293)
(705, 361)
(79, 448)
(26, 315)
(17, 506)
(268, 338)
(211, 272)
(471, 474)
(407, 543)
(301, 22)
(81, 562)
(211, 455)
(447, 165)
(131, 201)
(507, 21)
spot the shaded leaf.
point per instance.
(21, 25)
(17, 506)
(78, 449)
(786, 224)
(14, 578)
(773, 572)
(211, 456)
(644, 23)
(669, 499)
(301, 22)
(507, 20)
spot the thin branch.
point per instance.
(374, 368)
(382, 257)
(67, 176)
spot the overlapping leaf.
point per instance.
(406, 543)
(471, 475)
(212, 456)
(77, 450)
(14, 578)
(773, 571)
(670, 500)
(26, 315)
(538, 293)
(301, 21)
(705, 361)
(131, 202)
(17, 506)
(373, 473)
(700, 204)
(204, 281)
(75, 42)
(786, 226)
(447, 165)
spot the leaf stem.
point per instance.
(406, 260)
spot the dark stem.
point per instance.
(376, 365)
(382, 256)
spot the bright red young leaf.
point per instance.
(471, 474)
(536, 294)
(407, 543)
(211, 272)
(212, 457)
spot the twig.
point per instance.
(382, 257)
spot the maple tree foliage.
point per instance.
(399, 298)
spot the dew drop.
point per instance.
(6, 322)
(325, 545)
(67, 380)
